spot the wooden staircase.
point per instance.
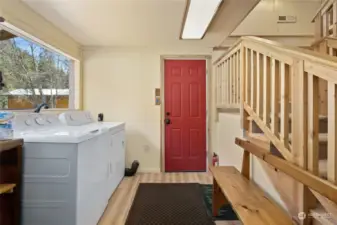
(288, 97)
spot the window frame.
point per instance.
(74, 96)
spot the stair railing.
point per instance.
(280, 91)
(227, 75)
(326, 20)
(279, 84)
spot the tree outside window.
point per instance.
(32, 75)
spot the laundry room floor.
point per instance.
(120, 203)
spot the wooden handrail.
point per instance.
(229, 67)
(323, 187)
(229, 50)
(295, 52)
(323, 5)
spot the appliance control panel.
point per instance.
(76, 118)
(25, 121)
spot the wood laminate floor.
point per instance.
(121, 201)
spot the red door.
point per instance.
(185, 115)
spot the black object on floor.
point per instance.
(169, 204)
(134, 167)
(225, 212)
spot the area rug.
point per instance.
(169, 204)
(225, 212)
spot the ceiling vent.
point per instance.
(287, 19)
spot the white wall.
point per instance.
(263, 18)
(121, 83)
(224, 131)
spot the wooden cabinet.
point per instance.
(10, 181)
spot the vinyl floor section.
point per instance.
(120, 203)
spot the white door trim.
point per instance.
(208, 60)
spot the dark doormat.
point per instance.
(169, 204)
(225, 212)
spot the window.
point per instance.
(32, 74)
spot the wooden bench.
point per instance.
(250, 203)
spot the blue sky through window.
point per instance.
(25, 45)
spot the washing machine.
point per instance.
(66, 171)
(116, 132)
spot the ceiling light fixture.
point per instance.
(198, 16)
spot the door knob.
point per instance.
(167, 121)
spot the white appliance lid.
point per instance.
(58, 136)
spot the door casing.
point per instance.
(208, 59)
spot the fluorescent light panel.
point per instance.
(199, 15)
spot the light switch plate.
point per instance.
(157, 100)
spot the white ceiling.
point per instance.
(136, 22)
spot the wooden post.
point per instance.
(228, 71)
(245, 171)
(219, 198)
(247, 76)
(299, 128)
(284, 131)
(332, 133)
(243, 90)
(266, 90)
(231, 76)
(234, 77)
(253, 80)
(224, 80)
(325, 24)
(238, 77)
(334, 19)
(313, 126)
(323, 85)
(259, 86)
(275, 97)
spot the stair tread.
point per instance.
(322, 216)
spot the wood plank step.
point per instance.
(249, 201)
(6, 188)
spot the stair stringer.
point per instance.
(328, 205)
